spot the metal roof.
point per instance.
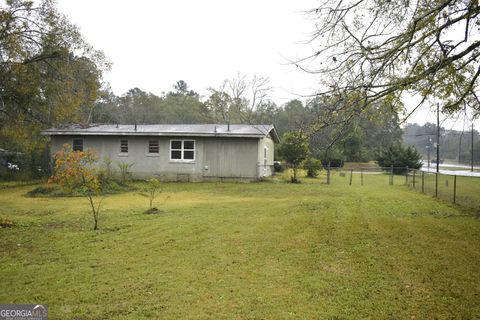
(208, 130)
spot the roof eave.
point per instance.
(164, 134)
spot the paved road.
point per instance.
(465, 173)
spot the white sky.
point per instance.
(152, 44)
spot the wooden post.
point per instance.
(328, 173)
(351, 176)
(423, 181)
(436, 184)
(454, 188)
(361, 176)
(414, 178)
(391, 175)
(406, 175)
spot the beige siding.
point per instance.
(265, 164)
(231, 158)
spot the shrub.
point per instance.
(124, 168)
(313, 166)
(278, 167)
(151, 191)
(74, 170)
(294, 149)
(6, 223)
(399, 157)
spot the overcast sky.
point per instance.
(152, 44)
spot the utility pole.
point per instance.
(428, 153)
(471, 161)
(438, 136)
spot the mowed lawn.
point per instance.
(267, 250)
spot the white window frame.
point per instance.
(182, 150)
(73, 144)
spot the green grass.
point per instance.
(244, 251)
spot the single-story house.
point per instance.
(179, 152)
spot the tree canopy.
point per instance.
(48, 74)
(373, 50)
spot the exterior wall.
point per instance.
(215, 158)
(230, 158)
(265, 165)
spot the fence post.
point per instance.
(328, 173)
(351, 176)
(406, 175)
(361, 176)
(423, 181)
(414, 178)
(454, 188)
(391, 175)
(436, 184)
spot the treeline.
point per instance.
(358, 139)
(454, 144)
(50, 77)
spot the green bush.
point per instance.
(313, 166)
(399, 157)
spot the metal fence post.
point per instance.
(406, 175)
(436, 184)
(423, 181)
(351, 176)
(361, 176)
(414, 178)
(454, 188)
(391, 175)
(328, 173)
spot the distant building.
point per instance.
(192, 152)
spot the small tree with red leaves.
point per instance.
(75, 171)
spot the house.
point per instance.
(180, 152)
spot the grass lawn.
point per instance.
(267, 250)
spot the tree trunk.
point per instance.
(94, 212)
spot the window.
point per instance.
(153, 146)
(77, 145)
(265, 157)
(182, 149)
(123, 146)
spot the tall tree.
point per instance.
(48, 74)
(371, 50)
(239, 98)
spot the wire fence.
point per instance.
(458, 189)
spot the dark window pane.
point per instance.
(176, 144)
(124, 146)
(188, 144)
(176, 154)
(77, 145)
(188, 155)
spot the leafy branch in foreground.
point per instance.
(374, 50)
